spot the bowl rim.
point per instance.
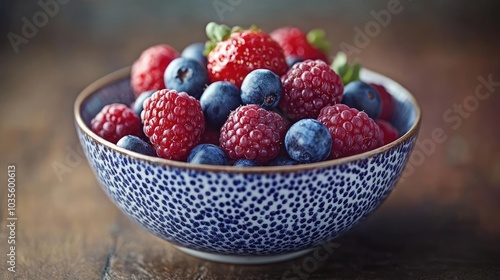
(125, 72)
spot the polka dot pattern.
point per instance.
(245, 213)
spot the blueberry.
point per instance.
(363, 97)
(185, 74)
(138, 104)
(218, 100)
(135, 144)
(207, 154)
(195, 51)
(246, 162)
(261, 87)
(283, 160)
(292, 60)
(308, 141)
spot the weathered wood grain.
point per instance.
(440, 223)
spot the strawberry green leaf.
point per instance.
(348, 72)
(236, 29)
(220, 32)
(209, 46)
(317, 38)
(254, 27)
(217, 32)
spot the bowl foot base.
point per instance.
(233, 259)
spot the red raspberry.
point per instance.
(308, 87)
(147, 71)
(252, 132)
(387, 102)
(173, 122)
(352, 131)
(389, 133)
(115, 121)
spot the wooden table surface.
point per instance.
(441, 222)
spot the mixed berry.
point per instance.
(363, 97)
(249, 98)
(308, 87)
(115, 121)
(252, 132)
(262, 87)
(186, 75)
(173, 122)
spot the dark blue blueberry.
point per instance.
(262, 87)
(195, 51)
(185, 74)
(207, 154)
(246, 162)
(308, 141)
(282, 160)
(140, 100)
(218, 100)
(135, 144)
(292, 60)
(363, 97)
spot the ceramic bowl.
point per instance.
(244, 214)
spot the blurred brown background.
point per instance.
(441, 222)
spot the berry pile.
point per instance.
(248, 98)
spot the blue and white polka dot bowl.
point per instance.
(244, 214)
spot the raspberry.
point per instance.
(173, 122)
(308, 87)
(115, 121)
(147, 71)
(352, 131)
(253, 133)
(389, 133)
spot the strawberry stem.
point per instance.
(220, 32)
(215, 33)
(348, 72)
(317, 38)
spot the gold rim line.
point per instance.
(125, 72)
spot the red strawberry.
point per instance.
(298, 44)
(232, 54)
(147, 71)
